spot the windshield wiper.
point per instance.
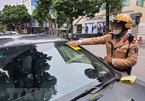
(101, 86)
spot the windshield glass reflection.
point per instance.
(48, 69)
(71, 56)
(26, 73)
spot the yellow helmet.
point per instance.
(124, 19)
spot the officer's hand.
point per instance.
(111, 33)
(73, 43)
(108, 59)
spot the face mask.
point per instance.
(116, 32)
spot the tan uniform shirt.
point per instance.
(119, 50)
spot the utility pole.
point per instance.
(107, 16)
(56, 23)
(136, 20)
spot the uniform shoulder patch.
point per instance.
(125, 39)
(136, 50)
(133, 41)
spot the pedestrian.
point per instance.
(49, 31)
(92, 29)
(99, 30)
(104, 28)
(86, 29)
(122, 48)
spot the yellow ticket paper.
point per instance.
(130, 79)
(74, 47)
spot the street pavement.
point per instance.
(138, 70)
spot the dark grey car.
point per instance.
(44, 68)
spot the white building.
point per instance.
(30, 5)
(33, 25)
(129, 7)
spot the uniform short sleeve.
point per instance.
(96, 40)
(131, 60)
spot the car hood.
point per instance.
(117, 91)
(125, 92)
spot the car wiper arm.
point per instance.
(86, 92)
(101, 86)
(107, 83)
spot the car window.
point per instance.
(71, 56)
(54, 67)
(80, 56)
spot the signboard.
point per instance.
(51, 11)
(133, 18)
(34, 2)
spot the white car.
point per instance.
(1, 33)
(10, 33)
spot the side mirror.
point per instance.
(137, 20)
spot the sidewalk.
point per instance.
(138, 69)
(142, 44)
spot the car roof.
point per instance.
(24, 39)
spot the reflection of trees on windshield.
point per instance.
(70, 55)
(91, 73)
(28, 70)
(94, 74)
(98, 71)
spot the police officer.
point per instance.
(122, 48)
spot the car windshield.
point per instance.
(54, 67)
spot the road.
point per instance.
(138, 70)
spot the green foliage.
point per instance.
(38, 15)
(75, 8)
(72, 9)
(61, 17)
(1, 28)
(15, 15)
(113, 7)
(1, 17)
(41, 12)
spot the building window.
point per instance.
(126, 3)
(79, 28)
(103, 6)
(139, 3)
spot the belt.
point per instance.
(128, 70)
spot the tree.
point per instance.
(1, 17)
(15, 15)
(75, 8)
(41, 13)
(38, 15)
(112, 7)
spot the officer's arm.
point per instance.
(131, 60)
(96, 40)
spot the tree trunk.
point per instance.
(67, 28)
(17, 28)
(107, 16)
(50, 24)
(78, 21)
(71, 28)
(52, 31)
